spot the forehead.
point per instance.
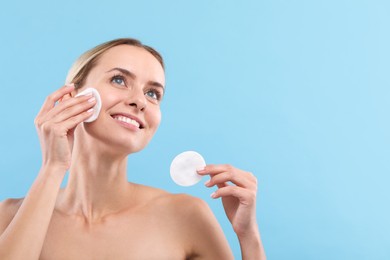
(135, 59)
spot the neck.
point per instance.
(97, 184)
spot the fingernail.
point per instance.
(213, 195)
(92, 99)
(200, 169)
(90, 110)
(70, 85)
(207, 183)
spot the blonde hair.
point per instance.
(88, 60)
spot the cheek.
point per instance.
(109, 99)
(155, 117)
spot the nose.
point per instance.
(137, 99)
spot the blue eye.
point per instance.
(154, 94)
(118, 80)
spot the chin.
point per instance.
(130, 146)
(117, 142)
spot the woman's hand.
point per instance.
(55, 124)
(238, 189)
(238, 198)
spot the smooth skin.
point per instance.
(99, 214)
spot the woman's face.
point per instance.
(131, 83)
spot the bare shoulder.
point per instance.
(186, 205)
(191, 219)
(178, 207)
(192, 210)
(175, 204)
(8, 209)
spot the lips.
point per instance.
(129, 119)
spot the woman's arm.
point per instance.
(201, 230)
(251, 245)
(24, 236)
(239, 201)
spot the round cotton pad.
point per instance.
(98, 105)
(184, 166)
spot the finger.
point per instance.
(220, 185)
(212, 169)
(72, 122)
(54, 97)
(245, 196)
(237, 177)
(65, 128)
(229, 173)
(65, 97)
(74, 110)
(68, 108)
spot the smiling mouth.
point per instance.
(128, 120)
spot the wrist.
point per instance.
(252, 234)
(54, 172)
(251, 244)
(49, 179)
(250, 230)
(54, 166)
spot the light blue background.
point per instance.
(295, 91)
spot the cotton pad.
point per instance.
(184, 166)
(98, 105)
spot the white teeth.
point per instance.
(127, 120)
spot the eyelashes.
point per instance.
(119, 80)
(153, 93)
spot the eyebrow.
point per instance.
(133, 76)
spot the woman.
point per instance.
(99, 214)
